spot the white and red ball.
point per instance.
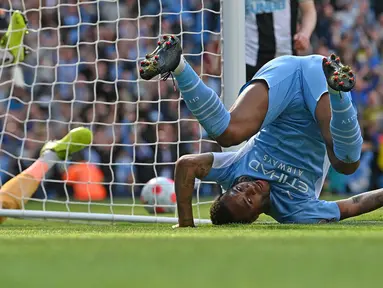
(159, 195)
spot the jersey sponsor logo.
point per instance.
(264, 6)
(280, 173)
(282, 166)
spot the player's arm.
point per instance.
(360, 204)
(188, 168)
(323, 116)
(308, 23)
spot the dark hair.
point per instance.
(219, 213)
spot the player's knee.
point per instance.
(230, 137)
(224, 142)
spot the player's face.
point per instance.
(247, 200)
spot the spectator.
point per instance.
(271, 30)
(352, 29)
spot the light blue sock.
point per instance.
(203, 102)
(344, 127)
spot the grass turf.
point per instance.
(60, 254)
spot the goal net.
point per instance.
(83, 71)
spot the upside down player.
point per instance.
(20, 188)
(298, 118)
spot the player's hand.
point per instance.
(183, 226)
(301, 42)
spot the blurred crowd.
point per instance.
(354, 30)
(83, 71)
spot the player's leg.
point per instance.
(344, 126)
(228, 128)
(241, 122)
(22, 187)
(12, 49)
(334, 111)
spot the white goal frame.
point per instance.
(234, 73)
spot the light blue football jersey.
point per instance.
(289, 151)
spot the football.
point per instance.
(159, 195)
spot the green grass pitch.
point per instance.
(60, 254)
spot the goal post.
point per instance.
(233, 53)
(81, 216)
(83, 71)
(233, 49)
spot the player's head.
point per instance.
(242, 203)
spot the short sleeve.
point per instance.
(222, 169)
(320, 211)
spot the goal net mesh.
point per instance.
(83, 71)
